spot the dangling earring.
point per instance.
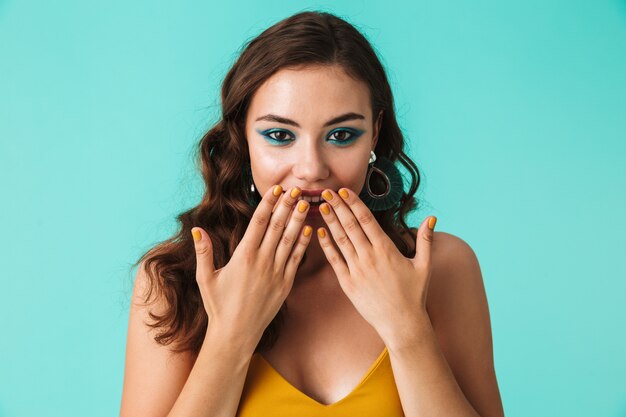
(254, 198)
(384, 190)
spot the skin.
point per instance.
(440, 365)
(312, 160)
(442, 361)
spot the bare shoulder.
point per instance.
(442, 243)
(452, 259)
(153, 375)
(455, 271)
(458, 309)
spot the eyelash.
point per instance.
(354, 134)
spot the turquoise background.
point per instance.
(516, 116)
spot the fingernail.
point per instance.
(307, 230)
(324, 208)
(321, 232)
(277, 190)
(295, 192)
(431, 222)
(327, 195)
(197, 236)
(344, 193)
(302, 206)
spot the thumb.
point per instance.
(423, 245)
(204, 253)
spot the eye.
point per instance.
(344, 135)
(278, 135)
(341, 135)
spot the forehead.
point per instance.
(311, 93)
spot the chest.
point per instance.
(325, 350)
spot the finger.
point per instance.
(277, 201)
(278, 221)
(298, 252)
(424, 241)
(204, 253)
(335, 259)
(294, 225)
(261, 217)
(364, 216)
(293, 210)
(348, 221)
(339, 235)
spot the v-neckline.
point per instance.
(365, 377)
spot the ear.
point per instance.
(377, 125)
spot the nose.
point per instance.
(311, 166)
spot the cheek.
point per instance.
(352, 176)
(268, 167)
(273, 159)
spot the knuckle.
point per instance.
(299, 219)
(277, 271)
(202, 250)
(287, 202)
(369, 260)
(342, 240)
(277, 226)
(387, 245)
(287, 240)
(334, 259)
(248, 254)
(325, 244)
(302, 242)
(351, 225)
(366, 218)
(260, 219)
(370, 265)
(331, 220)
(294, 257)
(369, 252)
(271, 199)
(389, 256)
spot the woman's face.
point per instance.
(312, 128)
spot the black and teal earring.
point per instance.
(254, 198)
(383, 184)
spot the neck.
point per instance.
(314, 265)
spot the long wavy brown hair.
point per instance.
(306, 38)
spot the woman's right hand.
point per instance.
(244, 296)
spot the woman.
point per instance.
(264, 317)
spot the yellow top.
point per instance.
(267, 393)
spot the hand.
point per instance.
(245, 295)
(388, 289)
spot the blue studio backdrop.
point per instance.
(515, 113)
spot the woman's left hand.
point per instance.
(388, 289)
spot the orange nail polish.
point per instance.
(327, 195)
(307, 230)
(302, 205)
(431, 222)
(295, 192)
(321, 232)
(344, 193)
(324, 208)
(197, 236)
(277, 190)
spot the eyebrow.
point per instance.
(334, 120)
